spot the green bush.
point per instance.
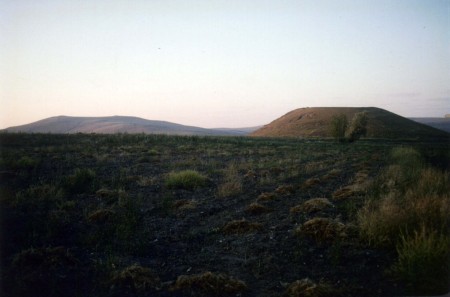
(186, 179)
(358, 126)
(338, 127)
(342, 131)
(423, 262)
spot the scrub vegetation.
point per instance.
(155, 215)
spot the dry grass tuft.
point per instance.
(332, 174)
(106, 193)
(256, 208)
(307, 288)
(312, 205)
(209, 284)
(263, 197)
(285, 190)
(361, 183)
(241, 227)
(311, 182)
(323, 229)
(184, 204)
(343, 193)
(136, 279)
(250, 175)
(100, 216)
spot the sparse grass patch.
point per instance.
(232, 184)
(81, 181)
(403, 209)
(382, 221)
(37, 214)
(117, 227)
(406, 157)
(186, 179)
(131, 215)
(209, 284)
(145, 181)
(312, 167)
(26, 162)
(410, 210)
(424, 262)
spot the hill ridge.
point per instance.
(315, 122)
(63, 124)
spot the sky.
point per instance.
(214, 63)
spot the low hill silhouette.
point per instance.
(438, 123)
(117, 124)
(315, 122)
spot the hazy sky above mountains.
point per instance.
(230, 63)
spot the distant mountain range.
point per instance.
(119, 124)
(302, 122)
(316, 121)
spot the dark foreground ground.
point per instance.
(92, 215)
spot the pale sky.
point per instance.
(230, 63)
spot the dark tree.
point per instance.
(339, 125)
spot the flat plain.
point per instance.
(155, 215)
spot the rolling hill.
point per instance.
(315, 122)
(116, 124)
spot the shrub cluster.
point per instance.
(342, 131)
(408, 210)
